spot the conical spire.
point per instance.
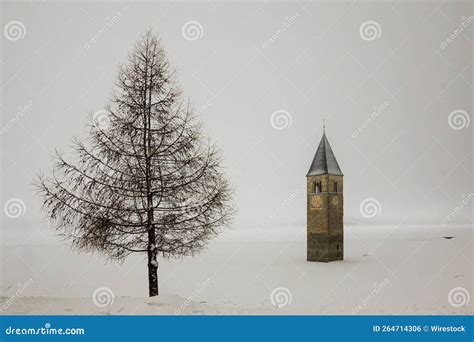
(324, 161)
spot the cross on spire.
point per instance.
(324, 125)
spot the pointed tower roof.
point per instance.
(324, 160)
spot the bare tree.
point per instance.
(144, 181)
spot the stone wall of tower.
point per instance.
(325, 232)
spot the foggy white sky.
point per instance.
(253, 59)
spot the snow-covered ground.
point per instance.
(386, 270)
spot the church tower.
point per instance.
(324, 187)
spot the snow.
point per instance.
(165, 304)
(386, 270)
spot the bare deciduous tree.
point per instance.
(144, 181)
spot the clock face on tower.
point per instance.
(316, 202)
(335, 201)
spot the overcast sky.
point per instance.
(384, 75)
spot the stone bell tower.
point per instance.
(324, 187)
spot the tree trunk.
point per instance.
(152, 265)
(152, 252)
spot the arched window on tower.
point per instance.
(335, 186)
(317, 187)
